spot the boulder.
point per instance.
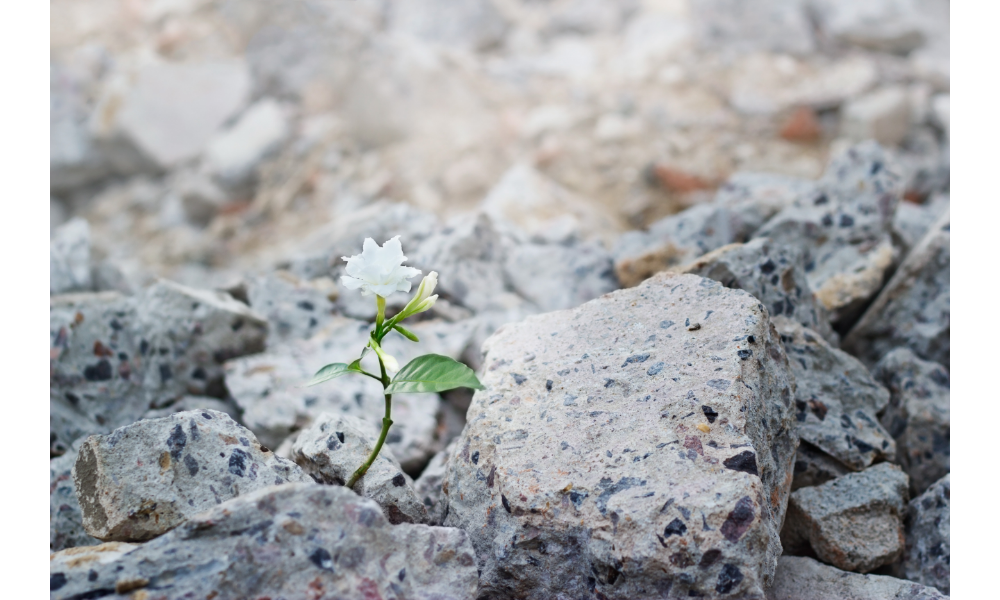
(914, 308)
(773, 25)
(555, 276)
(69, 258)
(232, 156)
(637, 445)
(772, 273)
(837, 401)
(300, 540)
(802, 578)
(65, 517)
(854, 522)
(918, 415)
(927, 558)
(144, 479)
(843, 229)
(294, 309)
(334, 446)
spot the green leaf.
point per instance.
(406, 333)
(333, 371)
(433, 373)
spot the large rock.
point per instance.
(334, 446)
(294, 309)
(802, 578)
(69, 258)
(914, 308)
(837, 401)
(854, 522)
(233, 155)
(74, 158)
(772, 273)
(555, 276)
(144, 479)
(65, 517)
(843, 229)
(918, 415)
(927, 557)
(639, 444)
(300, 540)
(772, 25)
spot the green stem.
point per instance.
(386, 424)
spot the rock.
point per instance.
(233, 155)
(74, 159)
(429, 486)
(544, 209)
(299, 540)
(65, 517)
(107, 276)
(927, 558)
(69, 258)
(588, 17)
(148, 477)
(923, 164)
(196, 403)
(843, 229)
(470, 24)
(773, 274)
(802, 578)
(73, 566)
(554, 277)
(58, 214)
(815, 467)
(294, 309)
(853, 522)
(913, 310)
(882, 25)
(882, 115)
(918, 415)
(774, 26)
(201, 199)
(741, 205)
(941, 112)
(334, 446)
(169, 111)
(802, 126)
(912, 221)
(662, 411)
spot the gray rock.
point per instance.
(815, 467)
(802, 578)
(923, 163)
(774, 25)
(107, 276)
(843, 229)
(912, 221)
(854, 522)
(299, 540)
(65, 517)
(914, 308)
(619, 445)
(757, 197)
(837, 401)
(927, 558)
(74, 158)
(294, 309)
(58, 214)
(554, 277)
(429, 487)
(882, 115)
(469, 24)
(588, 17)
(196, 403)
(69, 258)
(882, 25)
(334, 446)
(233, 155)
(201, 198)
(148, 477)
(774, 274)
(918, 415)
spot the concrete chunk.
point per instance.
(927, 558)
(802, 578)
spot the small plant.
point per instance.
(380, 272)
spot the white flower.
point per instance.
(378, 270)
(422, 300)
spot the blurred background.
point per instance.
(201, 140)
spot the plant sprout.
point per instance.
(378, 271)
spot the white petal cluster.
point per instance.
(378, 270)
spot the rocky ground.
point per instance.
(697, 251)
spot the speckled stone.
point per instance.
(638, 446)
(144, 479)
(854, 522)
(774, 274)
(69, 258)
(843, 229)
(802, 578)
(815, 467)
(554, 277)
(294, 309)
(334, 446)
(300, 540)
(912, 221)
(927, 557)
(837, 401)
(914, 308)
(430, 485)
(65, 517)
(918, 415)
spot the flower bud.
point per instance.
(422, 300)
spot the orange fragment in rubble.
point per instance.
(680, 181)
(802, 126)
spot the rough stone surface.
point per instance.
(914, 308)
(334, 446)
(69, 258)
(620, 445)
(146, 478)
(429, 486)
(802, 578)
(918, 415)
(774, 274)
(196, 403)
(300, 540)
(912, 221)
(927, 557)
(837, 401)
(854, 522)
(294, 309)
(882, 115)
(554, 277)
(815, 467)
(233, 155)
(843, 229)
(65, 517)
